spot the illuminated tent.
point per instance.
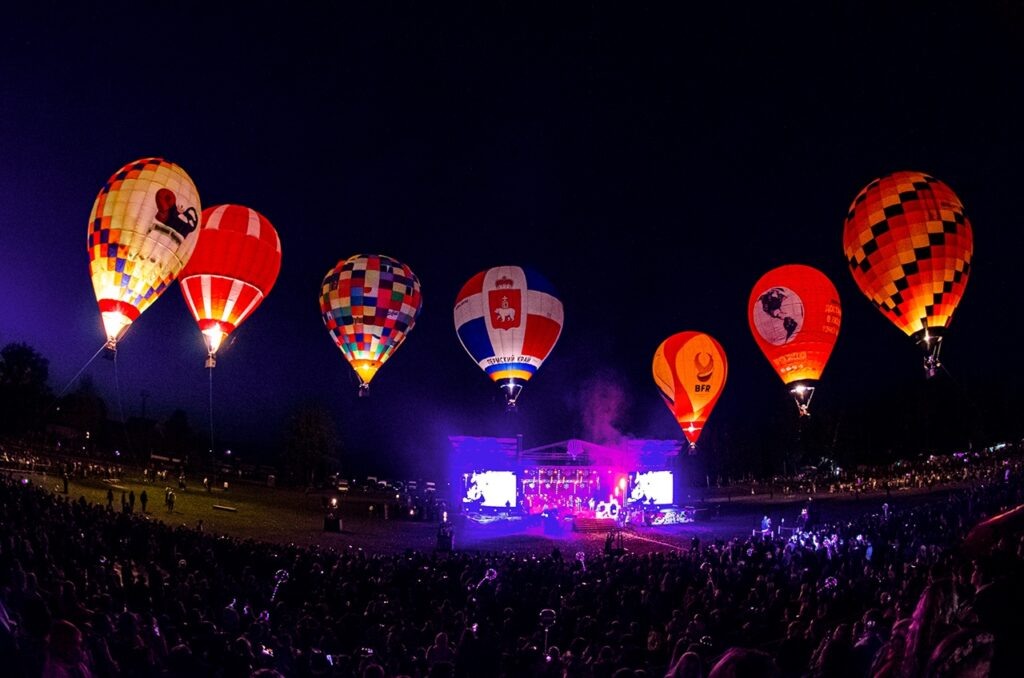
(142, 231)
(232, 270)
(508, 320)
(909, 246)
(369, 304)
(794, 315)
(690, 370)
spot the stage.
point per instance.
(574, 483)
(737, 519)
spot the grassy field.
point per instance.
(281, 515)
(285, 516)
(260, 512)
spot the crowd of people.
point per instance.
(924, 472)
(86, 590)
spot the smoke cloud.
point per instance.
(602, 406)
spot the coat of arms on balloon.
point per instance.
(506, 304)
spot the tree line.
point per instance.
(80, 423)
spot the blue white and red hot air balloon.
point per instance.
(508, 319)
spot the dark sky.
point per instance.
(651, 162)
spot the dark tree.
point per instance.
(311, 446)
(24, 394)
(179, 440)
(79, 413)
(83, 408)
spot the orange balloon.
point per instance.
(690, 369)
(794, 315)
(909, 246)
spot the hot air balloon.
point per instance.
(142, 231)
(233, 268)
(369, 304)
(794, 315)
(909, 246)
(690, 369)
(508, 320)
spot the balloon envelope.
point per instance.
(690, 370)
(794, 315)
(232, 269)
(142, 231)
(909, 246)
(508, 319)
(369, 304)
(989, 531)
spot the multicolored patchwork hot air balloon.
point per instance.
(232, 270)
(369, 304)
(909, 246)
(142, 231)
(794, 315)
(508, 320)
(690, 370)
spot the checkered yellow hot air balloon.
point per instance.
(142, 230)
(909, 246)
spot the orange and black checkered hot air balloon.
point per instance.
(690, 370)
(794, 315)
(909, 246)
(142, 231)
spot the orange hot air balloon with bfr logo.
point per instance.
(690, 370)
(794, 315)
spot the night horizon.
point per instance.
(652, 166)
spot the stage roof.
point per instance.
(631, 454)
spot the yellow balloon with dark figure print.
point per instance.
(142, 230)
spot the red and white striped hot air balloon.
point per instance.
(232, 269)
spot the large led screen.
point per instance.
(652, 485)
(491, 488)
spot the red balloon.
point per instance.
(232, 270)
(794, 315)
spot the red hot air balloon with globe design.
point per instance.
(909, 245)
(690, 370)
(794, 315)
(232, 270)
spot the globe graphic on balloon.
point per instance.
(778, 315)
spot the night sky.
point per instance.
(652, 163)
